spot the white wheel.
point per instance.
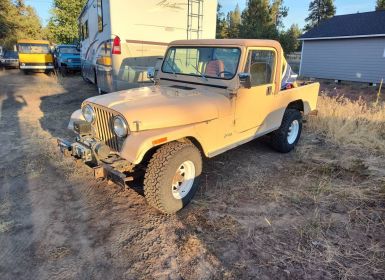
(293, 132)
(183, 179)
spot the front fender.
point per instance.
(138, 144)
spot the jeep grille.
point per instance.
(103, 127)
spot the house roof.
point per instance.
(370, 24)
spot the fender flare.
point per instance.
(138, 144)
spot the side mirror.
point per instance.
(151, 73)
(245, 79)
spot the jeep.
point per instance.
(209, 96)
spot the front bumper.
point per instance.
(36, 67)
(115, 169)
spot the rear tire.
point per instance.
(287, 136)
(172, 176)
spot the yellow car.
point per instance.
(35, 55)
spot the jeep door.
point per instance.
(254, 104)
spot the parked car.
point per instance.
(35, 55)
(209, 97)
(119, 41)
(67, 58)
(10, 59)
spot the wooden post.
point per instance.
(379, 92)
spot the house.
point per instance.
(347, 47)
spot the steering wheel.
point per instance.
(225, 73)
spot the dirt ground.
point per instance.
(316, 213)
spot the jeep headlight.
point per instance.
(69, 60)
(88, 113)
(120, 127)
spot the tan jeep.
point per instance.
(208, 97)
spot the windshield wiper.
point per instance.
(200, 73)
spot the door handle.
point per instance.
(269, 90)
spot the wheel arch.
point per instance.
(297, 105)
(138, 147)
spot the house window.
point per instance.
(261, 66)
(100, 16)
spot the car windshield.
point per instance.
(10, 54)
(34, 48)
(69, 50)
(207, 62)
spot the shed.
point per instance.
(347, 47)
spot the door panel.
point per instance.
(254, 104)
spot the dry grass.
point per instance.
(348, 123)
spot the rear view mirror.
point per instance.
(245, 79)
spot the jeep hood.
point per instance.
(164, 106)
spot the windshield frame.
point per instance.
(200, 47)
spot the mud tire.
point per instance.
(279, 138)
(161, 170)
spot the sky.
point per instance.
(298, 9)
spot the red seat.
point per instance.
(214, 67)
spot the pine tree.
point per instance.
(63, 25)
(380, 6)
(260, 19)
(222, 28)
(234, 22)
(278, 12)
(319, 11)
(289, 39)
(256, 19)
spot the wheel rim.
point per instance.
(183, 179)
(293, 132)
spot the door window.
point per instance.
(261, 66)
(100, 16)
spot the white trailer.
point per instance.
(121, 39)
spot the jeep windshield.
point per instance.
(206, 62)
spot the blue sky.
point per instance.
(298, 9)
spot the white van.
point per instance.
(121, 39)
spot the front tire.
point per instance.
(172, 176)
(287, 136)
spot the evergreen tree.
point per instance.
(278, 12)
(289, 39)
(63, 25)
(256, 19)
(222, 28)
(380, 6)
(260, 19)
(234, 22)
(319, 11)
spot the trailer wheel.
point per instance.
(172, 176)
(287, 136)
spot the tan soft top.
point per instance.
(230, 42)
